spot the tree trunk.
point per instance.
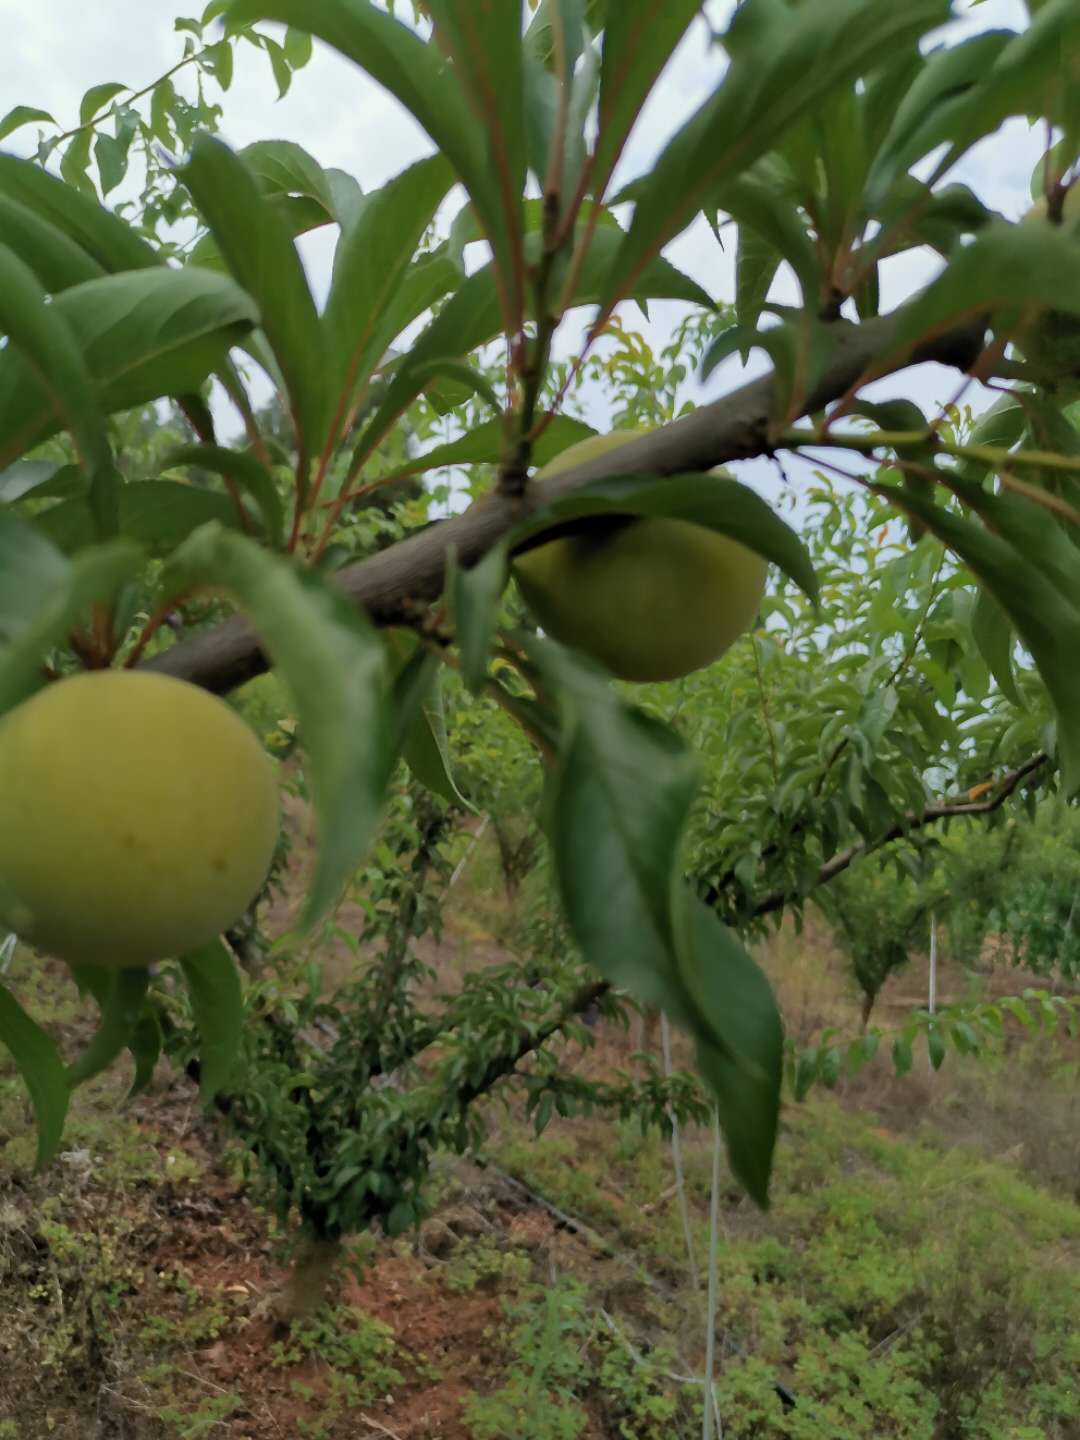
(308, 1284)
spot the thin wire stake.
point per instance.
(676, 1157)
(711, 1411)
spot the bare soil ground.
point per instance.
(137, 1278)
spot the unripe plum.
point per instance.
(649, 597)
(138, 818)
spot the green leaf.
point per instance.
(56, 260)
(612, 835)
(759, 202)
(260, 253)
(119, 1018)
(967, 90)
(20, 115)
(639, 37)
(42, 1071)
(994, 637)
(902, 1056)
(111, 155)
(1008, 269)
(741, 1051)
(1047, 622)
(38, 479)
(334, 665)
(474, 599)
(784, 64)
(485, 444)
(42, 336)
(484, 40)
(278, 64)
(462, 381)
(372, 255)
(935, 1046)
(471, 317)
(218, 59)
(1001, 426)
(63, 594)
(297, 47)
(145, 1047)
(713, 501)
(30, 571)
(806, 1071)
(282, 168)
(142, 335)
(104, 237)
(414, 72)
(97, 97)
(245, 471)
(756, 264)
(75, 165)
(217, 1004)
(156, 513)
(543, 98)
(421, 722)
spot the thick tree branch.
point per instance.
(839, 862)
(391, 584)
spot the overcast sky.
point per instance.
(54, 50)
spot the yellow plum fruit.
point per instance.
(138, 818)
(649, 597)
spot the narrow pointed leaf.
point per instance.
(217, 1004)
(1009, 269)
(42, 336)
(486, 445)
(372, 256)
(484, 39)
(73, 588)
(797, 59)
(419, 77)
(157, 514)
(281, 167)
(42, 1071)
(104, 237)
(741, 1049)
(56, 259)
(97, 97)
(1047, 623)
(967, 90)
(119, 1018)
(471, 317)
(335, 667)
(420, 725)
(713, 501)
(145, 1047)
(639, 38)
(142, 335)
(613, 835)
(20, 115)
(250, 474)
(474, 599)
(260, 254)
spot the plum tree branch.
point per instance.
(739, 426)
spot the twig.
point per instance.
(676, 1156)
(382, 1429)
(712, 1412)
